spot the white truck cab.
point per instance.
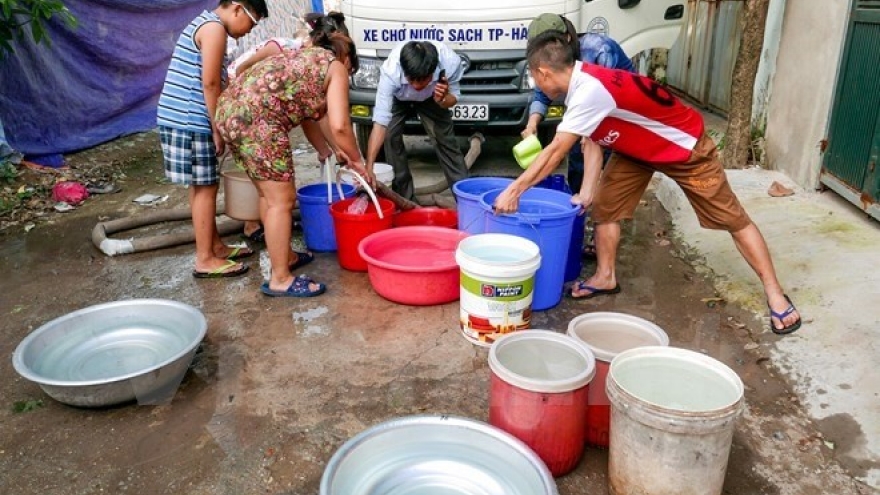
(491, 36)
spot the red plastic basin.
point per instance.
(413, 265)
(430, 216)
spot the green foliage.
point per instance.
(23, 406)
(16, 15)
(8, 172)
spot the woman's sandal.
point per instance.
(302, 259)
(258, 236)
(298, 288)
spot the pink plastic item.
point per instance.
(70, 192)
(414, 265)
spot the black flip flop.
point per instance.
(222, 271)
(256, 236)
(781, 316)
(593, 291)
(302, 259)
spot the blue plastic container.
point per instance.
(317, 223)
(471, 216)
(574, 264)
(555, 182)
(546, 218)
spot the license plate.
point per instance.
(471, 111)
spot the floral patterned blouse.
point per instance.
(259, 109)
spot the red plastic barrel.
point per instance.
(539, 387)
(352, 228)
(608, 334)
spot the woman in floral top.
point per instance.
(255, 115)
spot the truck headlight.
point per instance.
(367, 76)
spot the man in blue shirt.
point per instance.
(422, 78)
(592, 48)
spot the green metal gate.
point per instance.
(850, 163)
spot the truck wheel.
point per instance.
(362, 133)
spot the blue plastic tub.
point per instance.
(574, 264)
(545, 217)
(471, 217)
(317, 223)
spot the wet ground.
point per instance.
(278, 385)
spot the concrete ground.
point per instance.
(279, 385)
(825, 251)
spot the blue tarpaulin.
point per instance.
(96, 82)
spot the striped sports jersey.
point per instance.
(630, 114)
(182, 103)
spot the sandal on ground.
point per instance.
(298, 288)
(781, 316)
(589, 251)
(593, 291)
(239, 253)
(302, 259)
(224, 271)
(256, 236)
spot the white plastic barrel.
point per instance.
(672, 420)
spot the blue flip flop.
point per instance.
(302, 259)
(781, 316)
(582, 285)
(298, 288)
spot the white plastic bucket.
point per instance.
(384, 174)
(497, 285)
(538, 390)
(240, 196)
(672, 421)
(608, 334)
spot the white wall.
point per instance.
(764, 78)
(803, 86)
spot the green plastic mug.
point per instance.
(527, 150)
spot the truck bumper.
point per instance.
(508, 113)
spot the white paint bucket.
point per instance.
(497, 285)
(384, 174)
(608, 334)
(672, 419)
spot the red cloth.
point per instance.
(70, 192)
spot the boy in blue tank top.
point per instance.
(190, 142)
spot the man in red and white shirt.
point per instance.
(650, 130)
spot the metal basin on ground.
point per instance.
(113, 353)
(435, 455)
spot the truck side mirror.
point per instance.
(628, 4)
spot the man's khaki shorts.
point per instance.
(702, 179)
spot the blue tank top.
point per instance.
(182, 103)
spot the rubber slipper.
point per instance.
(302, 259)
(298, 288)
(239, 253)
(781, 316)
(582, 285)
(589, 251)
(256, 236)
(223, 271)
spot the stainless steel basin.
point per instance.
(435, 455)
(113, 353)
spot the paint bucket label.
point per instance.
(491, 308)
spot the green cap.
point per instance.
(546, 22)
